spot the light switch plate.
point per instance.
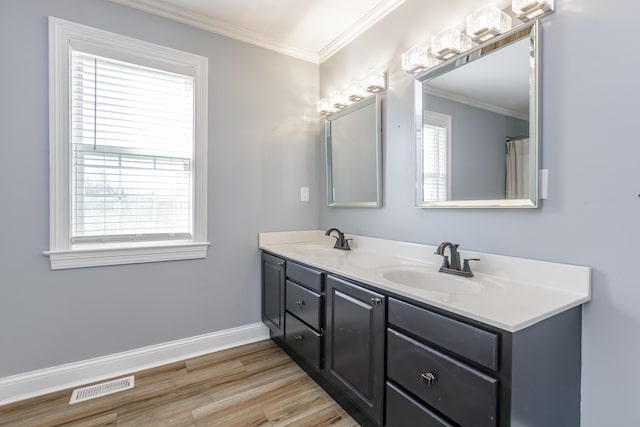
(304, 194)
(543, 184)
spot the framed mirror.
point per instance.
(354, 155)
(477, 136)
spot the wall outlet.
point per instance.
(304, 194)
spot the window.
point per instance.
(436, 168)
(128, 150)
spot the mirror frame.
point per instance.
(530, 30)
(374, 99)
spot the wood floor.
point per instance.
(251, 385)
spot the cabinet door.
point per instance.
(355, 344)
(273, 280)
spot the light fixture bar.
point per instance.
(374, 82)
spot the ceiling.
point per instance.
(311, 30)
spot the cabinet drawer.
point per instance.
(312, 279)
(303, 340)
(305, 304)
(468, 341)
(465, 395)
(405, 411)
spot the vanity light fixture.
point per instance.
(324, 107)
(450, 42)
(374, 82)
(339, 99)
(418, 59)
(357, 90)
(527, 10)
(487, 22)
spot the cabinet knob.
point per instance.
(299, 303)
(299, 337)
(428, 378)
(376, 301)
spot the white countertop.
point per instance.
(506, 292)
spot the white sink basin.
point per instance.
(429, 280)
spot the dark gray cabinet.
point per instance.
(304, 317)
(355, 342)
(273, 294)
(392, 361)
(465, 395)
(453, 371)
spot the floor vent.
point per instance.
(102, 389)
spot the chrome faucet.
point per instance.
(341, 242)
(453, 266)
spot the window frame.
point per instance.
(63, 37)
(441, 121)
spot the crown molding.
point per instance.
(208, 23)
(217, 26)
(474, 102)
(357, 29)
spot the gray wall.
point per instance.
(590, 148)
(478, 166)
(262, 148)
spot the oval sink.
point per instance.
(428, 280)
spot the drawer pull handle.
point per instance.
(299, 337)
(376, 301)
(299, 303)
(428, 378)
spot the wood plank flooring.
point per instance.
(251, 385)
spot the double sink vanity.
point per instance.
(398, 343)
(378, 323)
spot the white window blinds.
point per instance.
(436, 156)
(132, 152)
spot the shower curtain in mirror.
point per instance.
(517, 184)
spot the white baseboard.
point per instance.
(44, 381)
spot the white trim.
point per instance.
(117, 255)
(357, 29)
(211, 24)
(474, 103)
(63, 36)
(49, 380)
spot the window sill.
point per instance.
(117, 255)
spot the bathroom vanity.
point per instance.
(399, 344)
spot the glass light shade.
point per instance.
(324, 107)
(357, 90)
(418, 59)
(487, 22)
(375, 81)
(526, 10)
(339, 99)
(450, 42)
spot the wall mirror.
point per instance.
(477, 122)
(354, 155)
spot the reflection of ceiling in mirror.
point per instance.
(506, 69)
